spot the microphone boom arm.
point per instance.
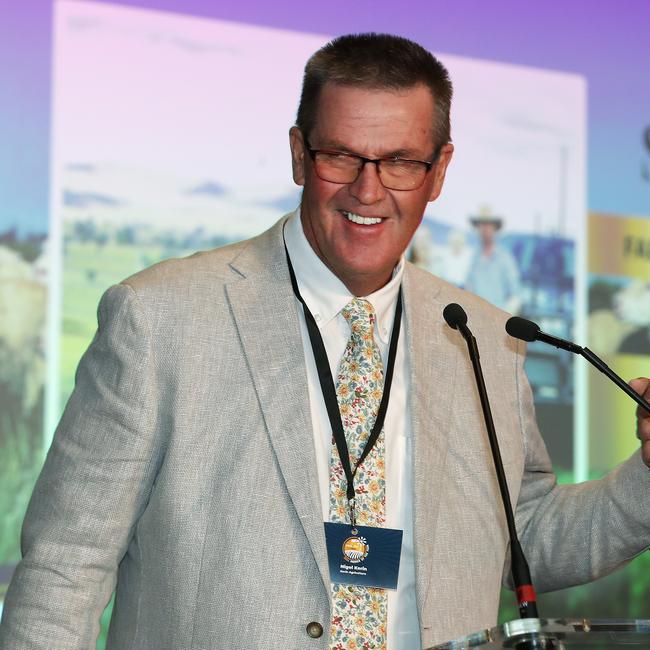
(598, 363)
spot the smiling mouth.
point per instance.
(363, 221)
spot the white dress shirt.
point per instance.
(325, 296)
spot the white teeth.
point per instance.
(364, 221)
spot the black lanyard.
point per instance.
(329, 391)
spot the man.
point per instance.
(493, 273)
(194, 466)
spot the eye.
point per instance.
(399, 166)
(338, 158)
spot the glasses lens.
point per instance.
(402, 174)
(337, 168)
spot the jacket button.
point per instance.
(314, 629)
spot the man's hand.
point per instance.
(642, 386)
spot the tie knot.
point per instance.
(360, 315)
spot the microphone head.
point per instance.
(523, 329)
(455, 315)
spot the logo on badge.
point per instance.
(355, 549)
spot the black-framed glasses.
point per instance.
(394, 173)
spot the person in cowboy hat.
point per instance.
(493, 273)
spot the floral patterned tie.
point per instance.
(359, 614)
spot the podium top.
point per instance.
(558, 634)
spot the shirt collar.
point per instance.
(324, 293)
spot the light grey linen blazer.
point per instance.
(183, 471)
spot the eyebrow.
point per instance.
(396, 153)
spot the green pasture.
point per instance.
(88, 270)
(19, 467)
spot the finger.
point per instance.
(641, 385)
(643, 419)
(643, 430)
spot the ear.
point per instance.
(297, 145)
(440, 169)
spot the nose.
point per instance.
(367, 187)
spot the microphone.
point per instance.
(455, 315)
(526, 330)
(456, 318)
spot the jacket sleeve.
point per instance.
(572, 534)
(94, 486)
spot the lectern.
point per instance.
(558, 634)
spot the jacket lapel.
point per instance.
(433, 371)
(266, 315)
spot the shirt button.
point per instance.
(317, 318)
(314, 630)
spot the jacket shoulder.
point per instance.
(486, 321)
(212, 268)
(179, 272)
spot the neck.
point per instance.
(364, 286)
(488, 247)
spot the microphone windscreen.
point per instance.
(455, 315)
(522, 328)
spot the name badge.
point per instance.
(369, 557)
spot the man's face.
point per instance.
(487, 231)
(374, 124)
